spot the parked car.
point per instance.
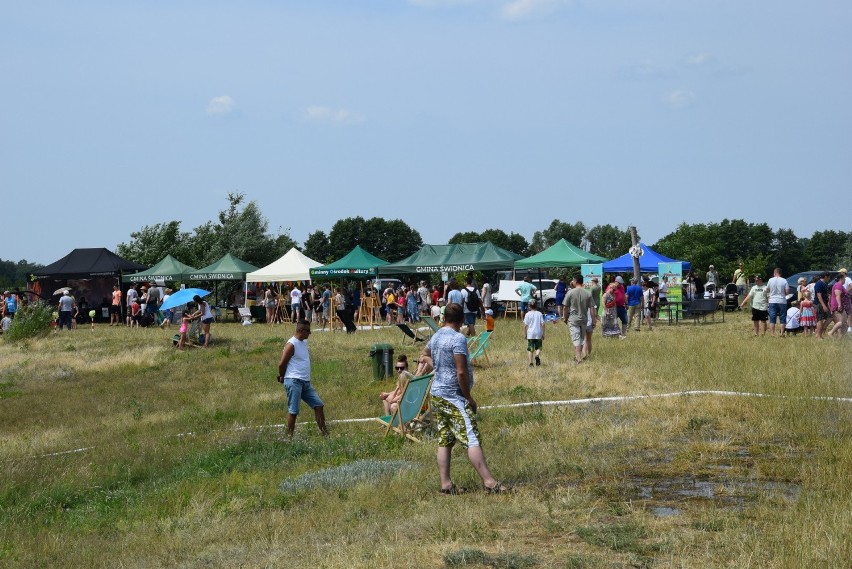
(547, 289)
(793, 282)
(381, 284)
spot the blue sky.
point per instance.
(452, 115)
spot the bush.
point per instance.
(31, 321)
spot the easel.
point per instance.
(367, 311)
(511, 308)
(281, 314)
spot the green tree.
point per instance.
(15, 275)
(390, 240)
(153, 242)
(608, 241)
(574, 233)
(514, 242)
(317, 247)
(788, 252)
(822, 248)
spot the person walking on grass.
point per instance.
(453, 406)
(759, 297)
(534, 332)
(634, 303)
(294, 371)
(821, 303)
(115, 307)
(578, 303)
(526, 290)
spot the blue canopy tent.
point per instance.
(648, 262)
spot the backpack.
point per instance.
(473, 303)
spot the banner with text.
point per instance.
(672, 275)
(590, 271)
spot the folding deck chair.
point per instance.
(410, 408)
(431, 323)
(409, 333)
(478, 346)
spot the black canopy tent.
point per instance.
(89, 273)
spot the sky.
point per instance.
(452, 115)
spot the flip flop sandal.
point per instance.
(498, 488)
(453, 491)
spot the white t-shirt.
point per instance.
(777, 287)
(295, 296)
(299, 366)
(534, 322)
(793, 315)
(5, 324)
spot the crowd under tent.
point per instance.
(228, 268)
(89, 273)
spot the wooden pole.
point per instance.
(634, 239)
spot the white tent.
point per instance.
(293, 266)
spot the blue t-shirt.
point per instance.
(444, 345)
(820, 289)
(11, 304)
(634, 295)
(455, 296)
(525, 290)
(561, 289)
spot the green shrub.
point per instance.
(31, 321)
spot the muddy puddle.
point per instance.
(663, 496)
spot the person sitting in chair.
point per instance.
(391, 399)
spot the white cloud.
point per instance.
(222, 105)
(679, 98)
(523, 9)
(336, 117)
(701, 58)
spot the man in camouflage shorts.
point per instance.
(453, 406)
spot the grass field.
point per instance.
(183, 462)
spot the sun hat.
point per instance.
(842, 271)
(618, 279)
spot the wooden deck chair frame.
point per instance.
(415, 396)
(409, 332)
(431, 323)
(480, 347)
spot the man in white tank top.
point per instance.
(294, 371)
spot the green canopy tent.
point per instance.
(452, 259)
(228, 268)
(356, 264)
(169, 269)
(560, 254)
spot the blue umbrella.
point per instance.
(183, 296)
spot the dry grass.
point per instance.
(752, 482)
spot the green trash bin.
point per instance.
(382, 359)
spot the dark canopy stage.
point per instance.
(88, 263)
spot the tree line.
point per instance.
(242, 230)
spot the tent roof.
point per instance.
(647, 262)
(560, 254)
(357, 263)
(293, 266)
(168, 269)
(453, 258)
(84, 263)
(228, 268)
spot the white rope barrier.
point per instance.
(566, 402)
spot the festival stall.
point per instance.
(168, 269)
(228, 268)
(454, 258)
(88, 273)
(360, 265)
